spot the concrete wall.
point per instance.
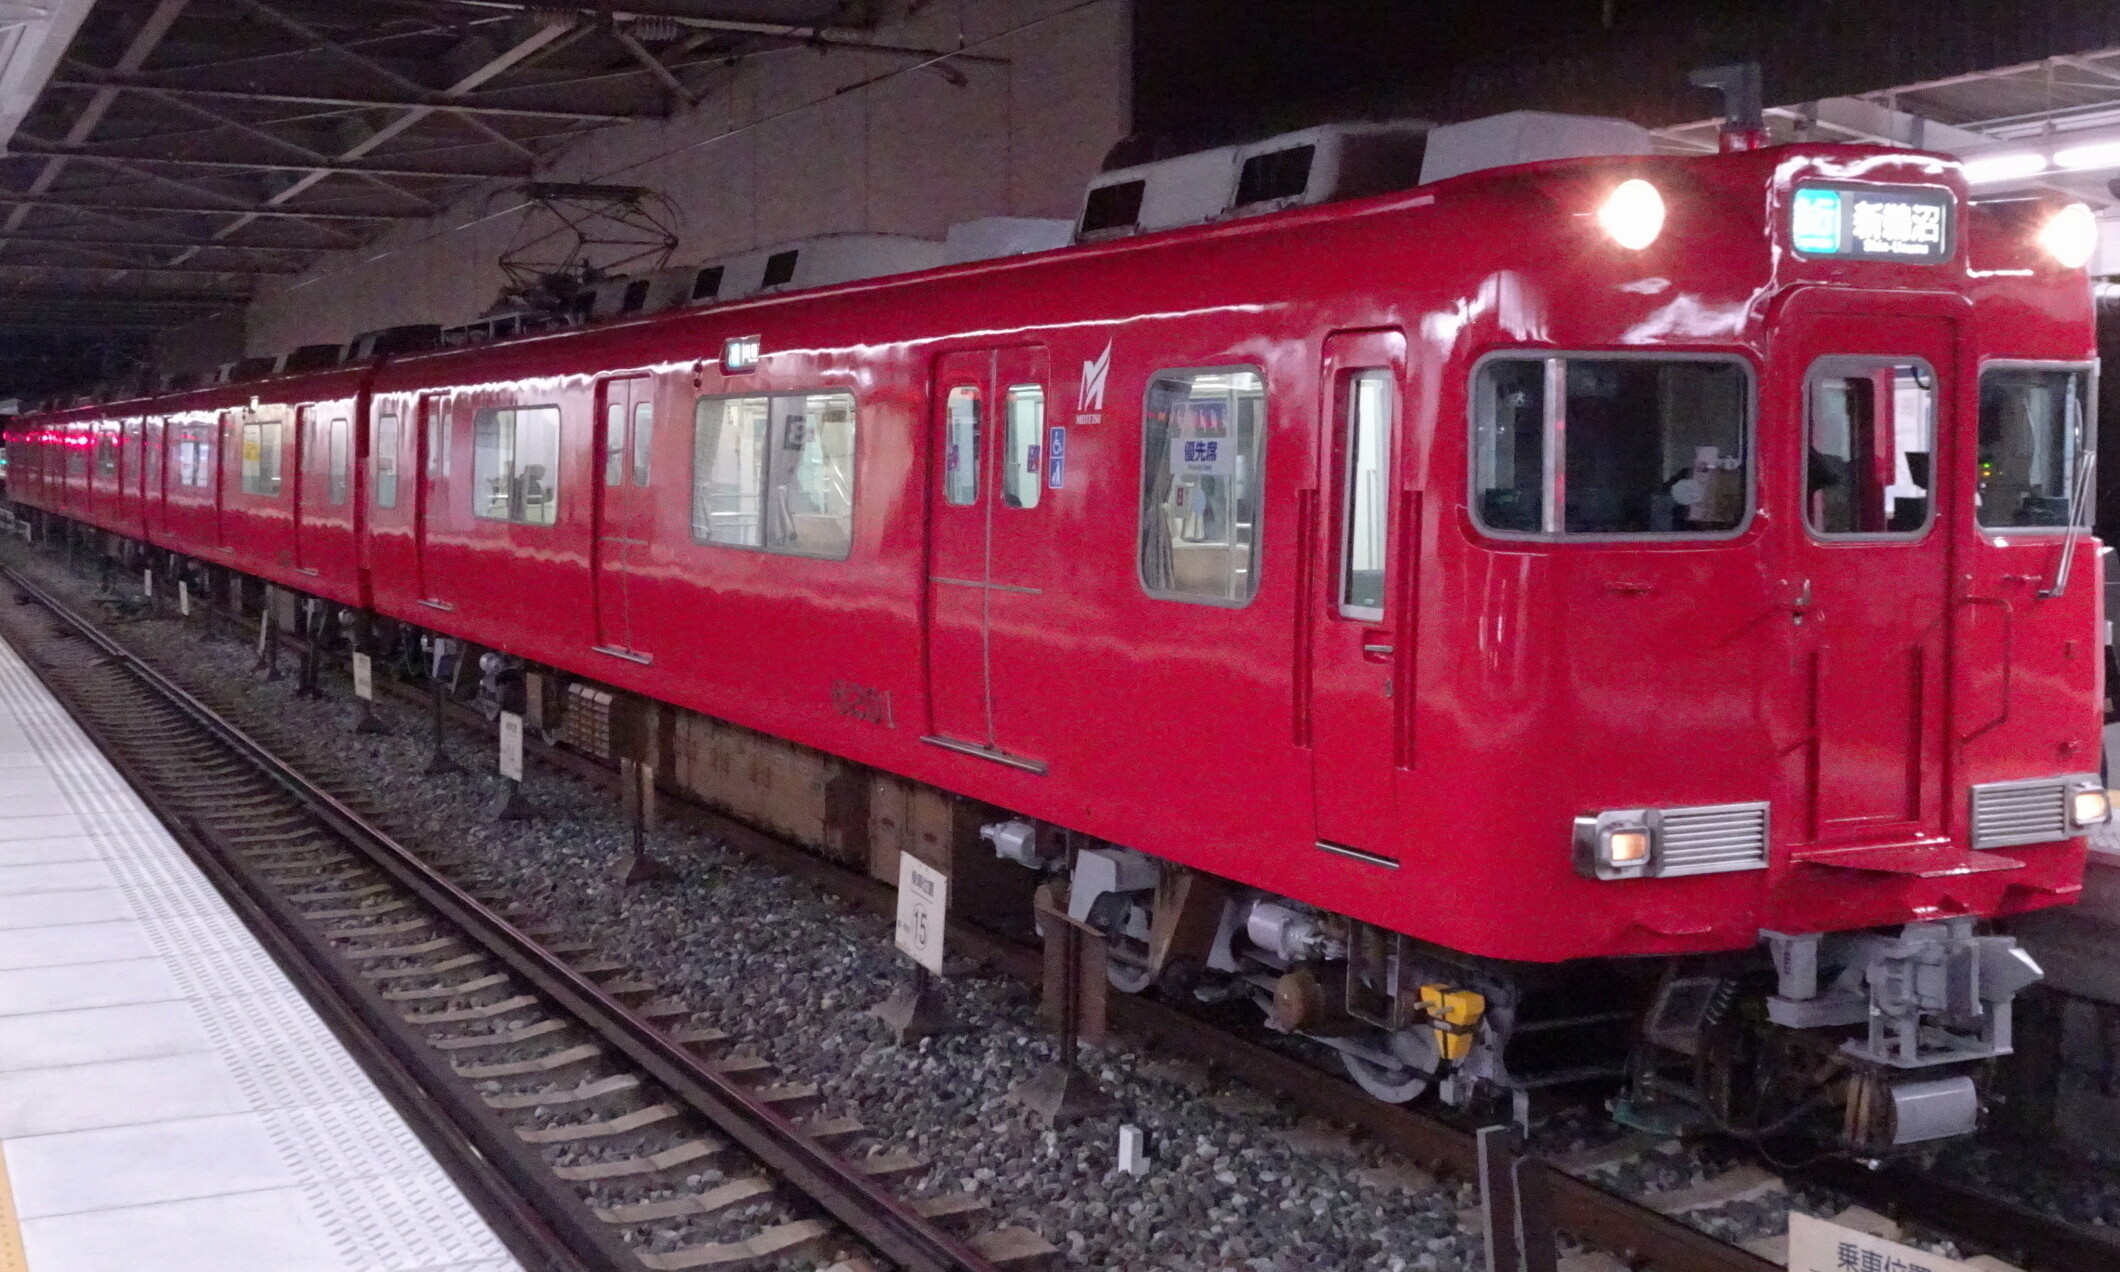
(794, 143)
(201, 345)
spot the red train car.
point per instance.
(1605, 615)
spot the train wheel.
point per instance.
(1408, 1079)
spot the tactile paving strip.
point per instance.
(384, 1202)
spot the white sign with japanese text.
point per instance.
(511, 746)
(363, 678)
(923, 909)
(1816, 1245)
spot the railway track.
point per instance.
(1633, 1228)
(570, 1101)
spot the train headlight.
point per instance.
(1633, 214)
(1615, 845)
(2089, 806)
(2070, 236)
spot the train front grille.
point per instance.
(2032, 812)
(1712, 839)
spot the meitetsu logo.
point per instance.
(1094, 374)
(1898, 223)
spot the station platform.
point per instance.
(168, 1100)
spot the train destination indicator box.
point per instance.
(1872, 223)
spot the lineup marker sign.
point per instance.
(511, 746)
(1819, 1245)
(923, 911)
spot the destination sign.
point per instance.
(1872, 223)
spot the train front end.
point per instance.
(1775, 564)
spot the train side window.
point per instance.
(1023, 446)
(643, 440)
(2036, 446)
(515, 467)
(1611, 445)
(106, 454)
(775, 473)
(264, 442)
(1202, 433)
(194, 458)
(386, 443)
(960, 463)
(728, 470)
(1869, 465)
(1368, 503)
(338, 477)
(614, 443)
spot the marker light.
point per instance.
(2070, 236)
(1633, 214)
(2089, 806)
(1996, 168)
(1627, 847)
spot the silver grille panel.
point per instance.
(2027, 812)
(1711, 839)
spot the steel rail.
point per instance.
(834, 1185)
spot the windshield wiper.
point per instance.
(2079, 497)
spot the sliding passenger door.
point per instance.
(989, 551)
(1358, 641)
(625, 510)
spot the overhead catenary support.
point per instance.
(86, 78)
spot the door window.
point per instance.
(1870, 464)
(614, 443)
(1367, 503)
(386, 459)
(960, 466)
(341, 473)
(643, 440)
(1023, 448)
(2036, 446)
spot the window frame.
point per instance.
(1553, 462)
(765, 471)
(2088, 523)
(1347, 397)
(1820, 365)
(1258, 535)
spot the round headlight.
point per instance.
(1633, 214)
(2070, 236)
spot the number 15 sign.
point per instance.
(923, 909)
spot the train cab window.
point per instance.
(775, 473)
(515, 468)
(264, 445)
(960, 463)
(1870, 460)
(1023, 446)
(614, 443)
(386, 442)
(1611, 446)
(1368, 504)
(338, 476)
(1202, 432)
(643, 440)
(2036, 446)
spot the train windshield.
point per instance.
(1611, 446)
(2035, 446)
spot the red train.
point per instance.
(1591, 615)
